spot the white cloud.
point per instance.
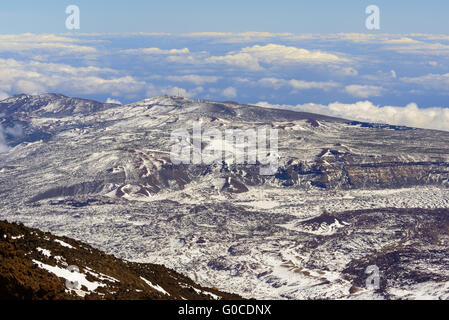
(393, 74)
(115, 101)
(208, 34)
(36, 77)
(425, 44)
(26, 86)
(46, 42)
(432, 81)
(97, 85)
(240, 59)
(252, 58)
(250, 34)
(433, 37)
(175, 91)
(363, 91)
(402, 44)
(344, 71)
(69, 70)
(242, 37)
(276, 53)
(193, 78)
(297, 84)
(157, 51)
(229, 92)
(402, 40)
(153, 91)
(355, 37)
(419, 47)
(3, 146)
(410, 115)
(369, 38)
(15, 131)
(3, 95)
(242, 80)
(264, 34)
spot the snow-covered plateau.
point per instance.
(346, 195)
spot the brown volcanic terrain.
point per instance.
(23, 252)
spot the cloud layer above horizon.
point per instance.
(365, 77)
(366, 111)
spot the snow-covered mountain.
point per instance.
(345, 194)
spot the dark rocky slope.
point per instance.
(27, 254)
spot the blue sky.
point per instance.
(315, 56)
(180, 16)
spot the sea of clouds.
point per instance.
(399, 79)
